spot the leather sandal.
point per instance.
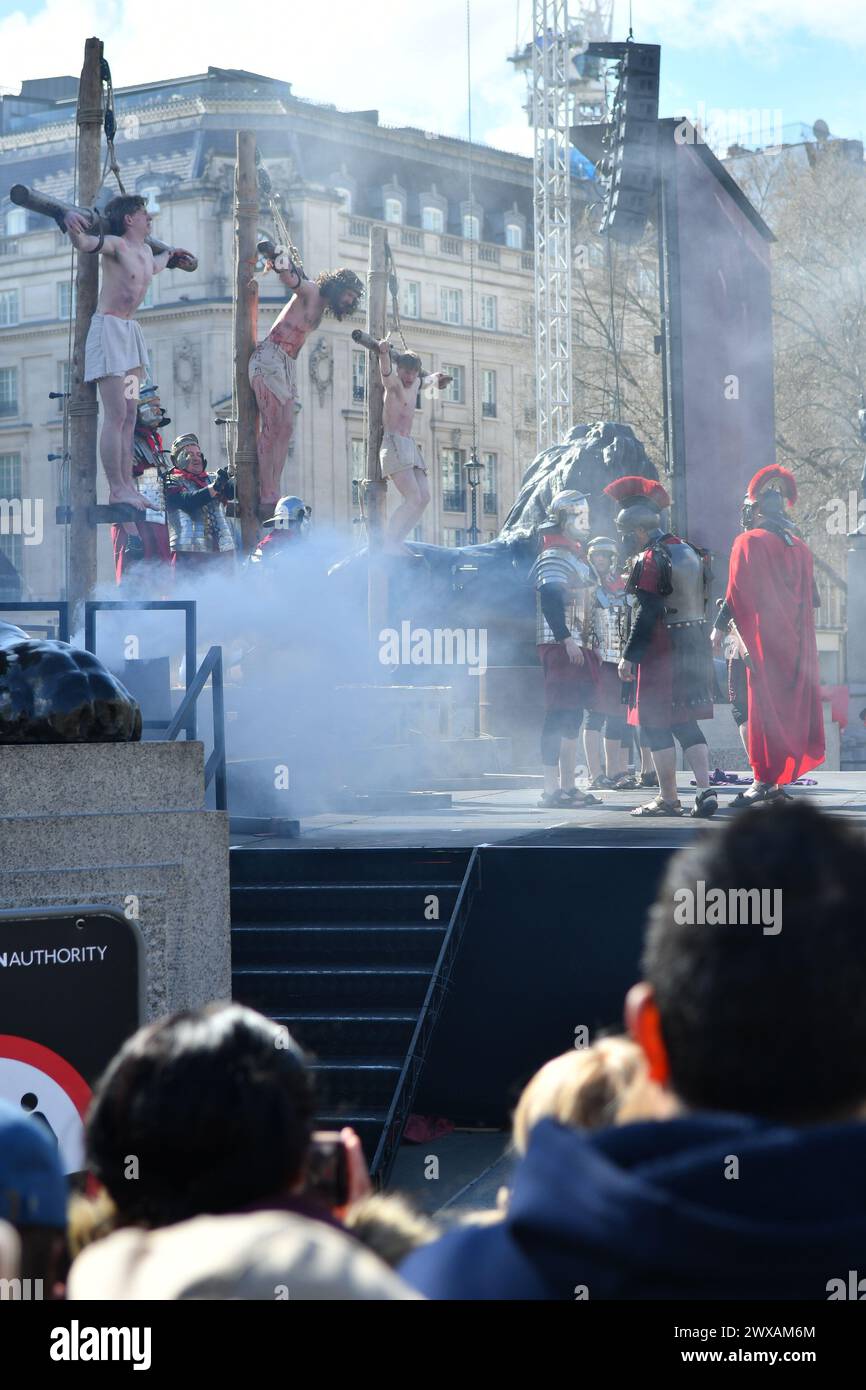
(706, 804)
(759, 792)
(577, 798)
(659, 807)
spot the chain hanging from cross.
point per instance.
(281, 228)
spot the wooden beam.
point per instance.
(375, 487)
(245, 337)
(83, 409)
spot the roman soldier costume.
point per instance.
(150, 545)
(197, 524)
(289, 524)
(564, 584)
(611, 621)
(769, 607)
(668, 641)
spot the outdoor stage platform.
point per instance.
(545, 944)
(512, 817)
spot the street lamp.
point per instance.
(473, 477)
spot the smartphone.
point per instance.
(328, 1168)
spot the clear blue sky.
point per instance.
(800, 57)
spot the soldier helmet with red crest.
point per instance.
(767, 495)
(642, 501)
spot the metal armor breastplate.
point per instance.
(611, 624)
(203, 534)
(575, 578)
(687, 603)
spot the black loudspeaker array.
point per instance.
(631, 158)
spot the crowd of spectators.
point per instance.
(715, 1150)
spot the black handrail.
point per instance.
(184, 605)
(60, 607)
(416, 1056)
(185, 717)
(215, 767)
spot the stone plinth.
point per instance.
(124, 825)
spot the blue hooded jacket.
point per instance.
(654, 1210)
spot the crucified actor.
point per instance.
(400, 457)
(115, 356)
(273, 365)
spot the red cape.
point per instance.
(770, 595)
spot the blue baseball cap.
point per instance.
(33, 1190)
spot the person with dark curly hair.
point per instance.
(273, 365)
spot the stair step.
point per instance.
(324, 1034)
(367, 1124)
(297, 866)
(343, 903)
(360, 1084)
(361, 944)
(281, 987)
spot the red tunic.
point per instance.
(770, 593)
(657, 704)
(153, 535)
(567, 686)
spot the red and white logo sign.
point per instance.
(43, 1084)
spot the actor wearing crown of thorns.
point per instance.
(273, 365)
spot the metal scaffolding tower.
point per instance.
(556, 88)
(552, 209)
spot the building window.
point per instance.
(10, 545)
(416, 534)
(8, 391)
(345, 197)
(147, 302)
(393, 210)
(452, 306)
(9, 313)
(16, 221)
(514, 236)
(489, 484)
(65, 299)
(451, 462)
(646, 281)
(358, 461)
(411, 297)
(456, 391)
(488, 312)
(453, 537)
(150, 194)
(433, 219)
(64, 382)
(471, 226)
(359, 376)
(488, 393)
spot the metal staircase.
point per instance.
(352, 950)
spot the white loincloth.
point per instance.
(276, 369)
(114, 347)
(399, 452)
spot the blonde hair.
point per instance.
(590, 1088)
